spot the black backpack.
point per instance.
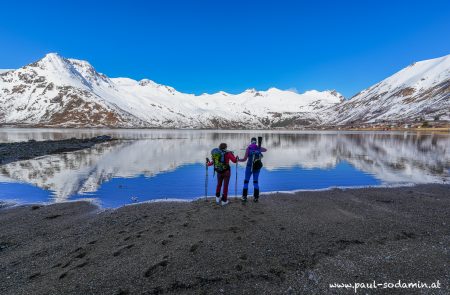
(257, 163)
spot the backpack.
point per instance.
(218, 158)
(257, 156)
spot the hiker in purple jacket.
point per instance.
(253, 156)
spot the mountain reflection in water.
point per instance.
(155, 164)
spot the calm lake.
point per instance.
(169, 164)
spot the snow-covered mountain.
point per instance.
(56, 91)
(60, 92)
(418, 92)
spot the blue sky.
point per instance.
(204, 46)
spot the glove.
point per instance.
(237, 158)
(207, 160)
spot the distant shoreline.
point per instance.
(298, 243)
(25, 150)
(341, 128)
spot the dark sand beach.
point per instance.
(286, 244)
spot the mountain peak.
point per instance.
(52, 58)
(336, 94)
(52, 65)
(66, 72)
(52, 55)
(145, 82)
(274, 90)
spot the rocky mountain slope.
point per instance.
(60, 92)
(418, 92)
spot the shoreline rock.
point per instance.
(17, 151)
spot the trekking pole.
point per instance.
(235, 182)
(206, 181)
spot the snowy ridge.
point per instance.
(56, 91)
(420, 91)
(60, 92)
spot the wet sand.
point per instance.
(285, 244)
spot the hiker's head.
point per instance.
(223, 146)
(253, 140)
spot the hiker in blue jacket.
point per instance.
(253, 156)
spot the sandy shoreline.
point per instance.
(286, 244)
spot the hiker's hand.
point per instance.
(207, 160)
(237, 158)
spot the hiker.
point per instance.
(221, 158)
(253, 156)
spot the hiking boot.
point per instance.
(218, 199)
(256, 195)
(223, 203)
(244, 195)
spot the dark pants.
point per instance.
(223, 177)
